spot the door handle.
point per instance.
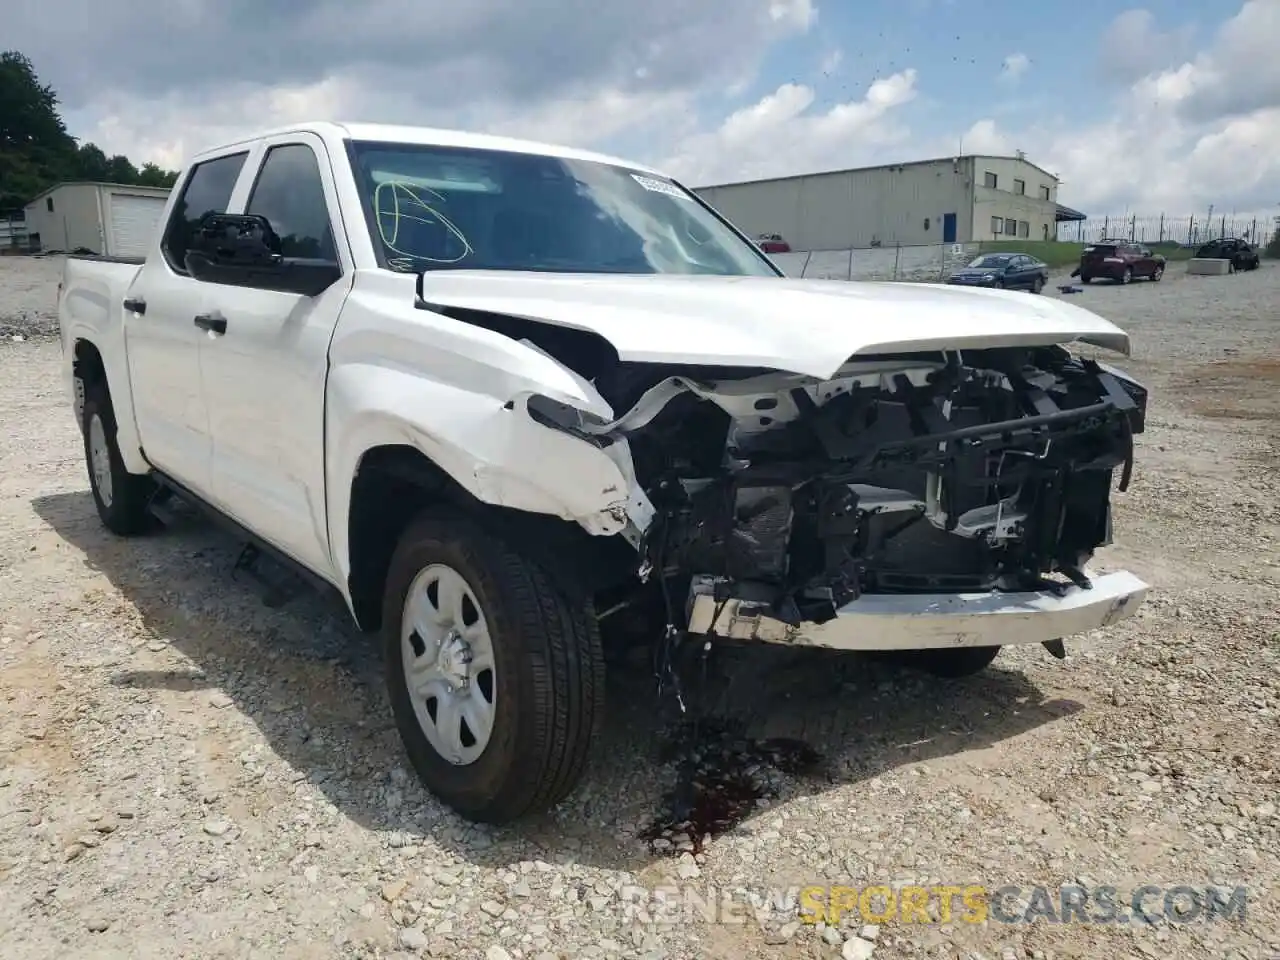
(135, 305)
(213, 322)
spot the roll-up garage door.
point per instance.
(134, 221)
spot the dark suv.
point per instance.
(1121, 260)
(1241, 255)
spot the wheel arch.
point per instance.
(92, 365)
(394, 482)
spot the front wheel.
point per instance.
(953, 663)
(496, 678)
(122, 498)
(1157, 273)
(1127, 276)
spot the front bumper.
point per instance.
(971, 282)
(929, 621)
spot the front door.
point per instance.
(265, 376)
(162, 341)
(948, 228)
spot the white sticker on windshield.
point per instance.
(659, 186)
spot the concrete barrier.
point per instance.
(1208, 267)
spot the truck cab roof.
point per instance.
(335, 132)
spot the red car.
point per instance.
(1121, 260)
(772, 243)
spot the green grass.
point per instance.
(1061, 253)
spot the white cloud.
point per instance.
(1205, 131)
(1015, 65)
(986, 137)
(1134, 45)
(1185, 128)
(781, 134)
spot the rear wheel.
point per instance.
(121, 497)
(1085, 278)
(496, 678)
(1127, 276)
(953, 663)
(1037, 284)
(1158, 272)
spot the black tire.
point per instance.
(1037, 284)
(953, 663)
(1086, 278)
(1127, 276)
(1231, 266)
(123, 506)
(1157, 273)
(548, 678)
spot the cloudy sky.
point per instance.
(1168, 108)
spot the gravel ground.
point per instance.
(185, 771)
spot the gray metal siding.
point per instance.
(73, 222)
(857, 208)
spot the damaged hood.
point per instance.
(809, 327)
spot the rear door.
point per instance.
(265, 375)
(163, 343)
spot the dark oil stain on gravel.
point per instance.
(721, 777)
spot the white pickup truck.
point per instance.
(507, 397)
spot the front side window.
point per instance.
(290, 194)
(207, 190)
(439, 208)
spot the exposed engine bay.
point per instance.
(915, 473)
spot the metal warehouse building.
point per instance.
(952, 200)
(107, 218)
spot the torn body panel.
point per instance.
(925, 477)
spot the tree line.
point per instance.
(36, 151)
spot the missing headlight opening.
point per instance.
(935, 473)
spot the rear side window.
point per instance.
(290, 194)
(207, 190)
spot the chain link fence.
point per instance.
(922, 264)
(1188, 230)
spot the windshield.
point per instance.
(990, 261)
(436, 208)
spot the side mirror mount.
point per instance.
(243, 250)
